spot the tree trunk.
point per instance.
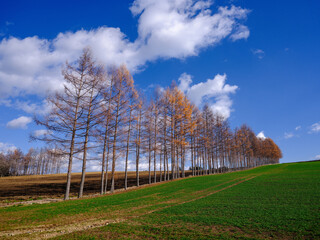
(107, 167)
(114, 149)
(127, 153)
(66, 196)
(84, 163)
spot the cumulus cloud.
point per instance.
(297, 128)
(317, 157)
(91, 166)
(166, 29)
(6, 147)
(261, 135)
(214, 91)
(95, 166)
(20, 122)
(143, 165)
(180, 28)
(184, 82)
(28, 67)
(315, 128)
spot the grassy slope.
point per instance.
(281, 201)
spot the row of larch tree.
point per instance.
(101, 116)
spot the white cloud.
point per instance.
(317, 157)
(6, 147)
(91, 166)
(166, 29)
(315, 128)
(20, 122)
(38, 108)
(180, 28)
(95, 165)
(258, 52)
(261, 135)
(288, 135)
(214, 91)
(241, 33)
(297, 128)
(28, 67)
(184, 82)
(41, 132)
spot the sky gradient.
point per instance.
(255, 62)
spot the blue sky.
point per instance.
(257, 62)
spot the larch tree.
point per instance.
(168, 131)
(63, 121)
(137, 136)
(122, 90)
(91, 104)
(132, 109)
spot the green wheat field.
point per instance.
(271, 202)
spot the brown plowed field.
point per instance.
(23, 188)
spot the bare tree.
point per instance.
(63, 121)
(138, 130)
(91, 107)
(132, 107)
(122, 89)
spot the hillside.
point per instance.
(276, 201)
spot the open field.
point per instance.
(25, 188)
(275, 201)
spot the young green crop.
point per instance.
(276, 201)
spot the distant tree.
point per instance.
(4, 165)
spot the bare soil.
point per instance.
(48, 188)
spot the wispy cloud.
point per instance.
(258, 52)
(288, 135)
(38, 108)
(20, 122)
(9, 23)
(315, 128)
(291, 134)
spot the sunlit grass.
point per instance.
(276, 201)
